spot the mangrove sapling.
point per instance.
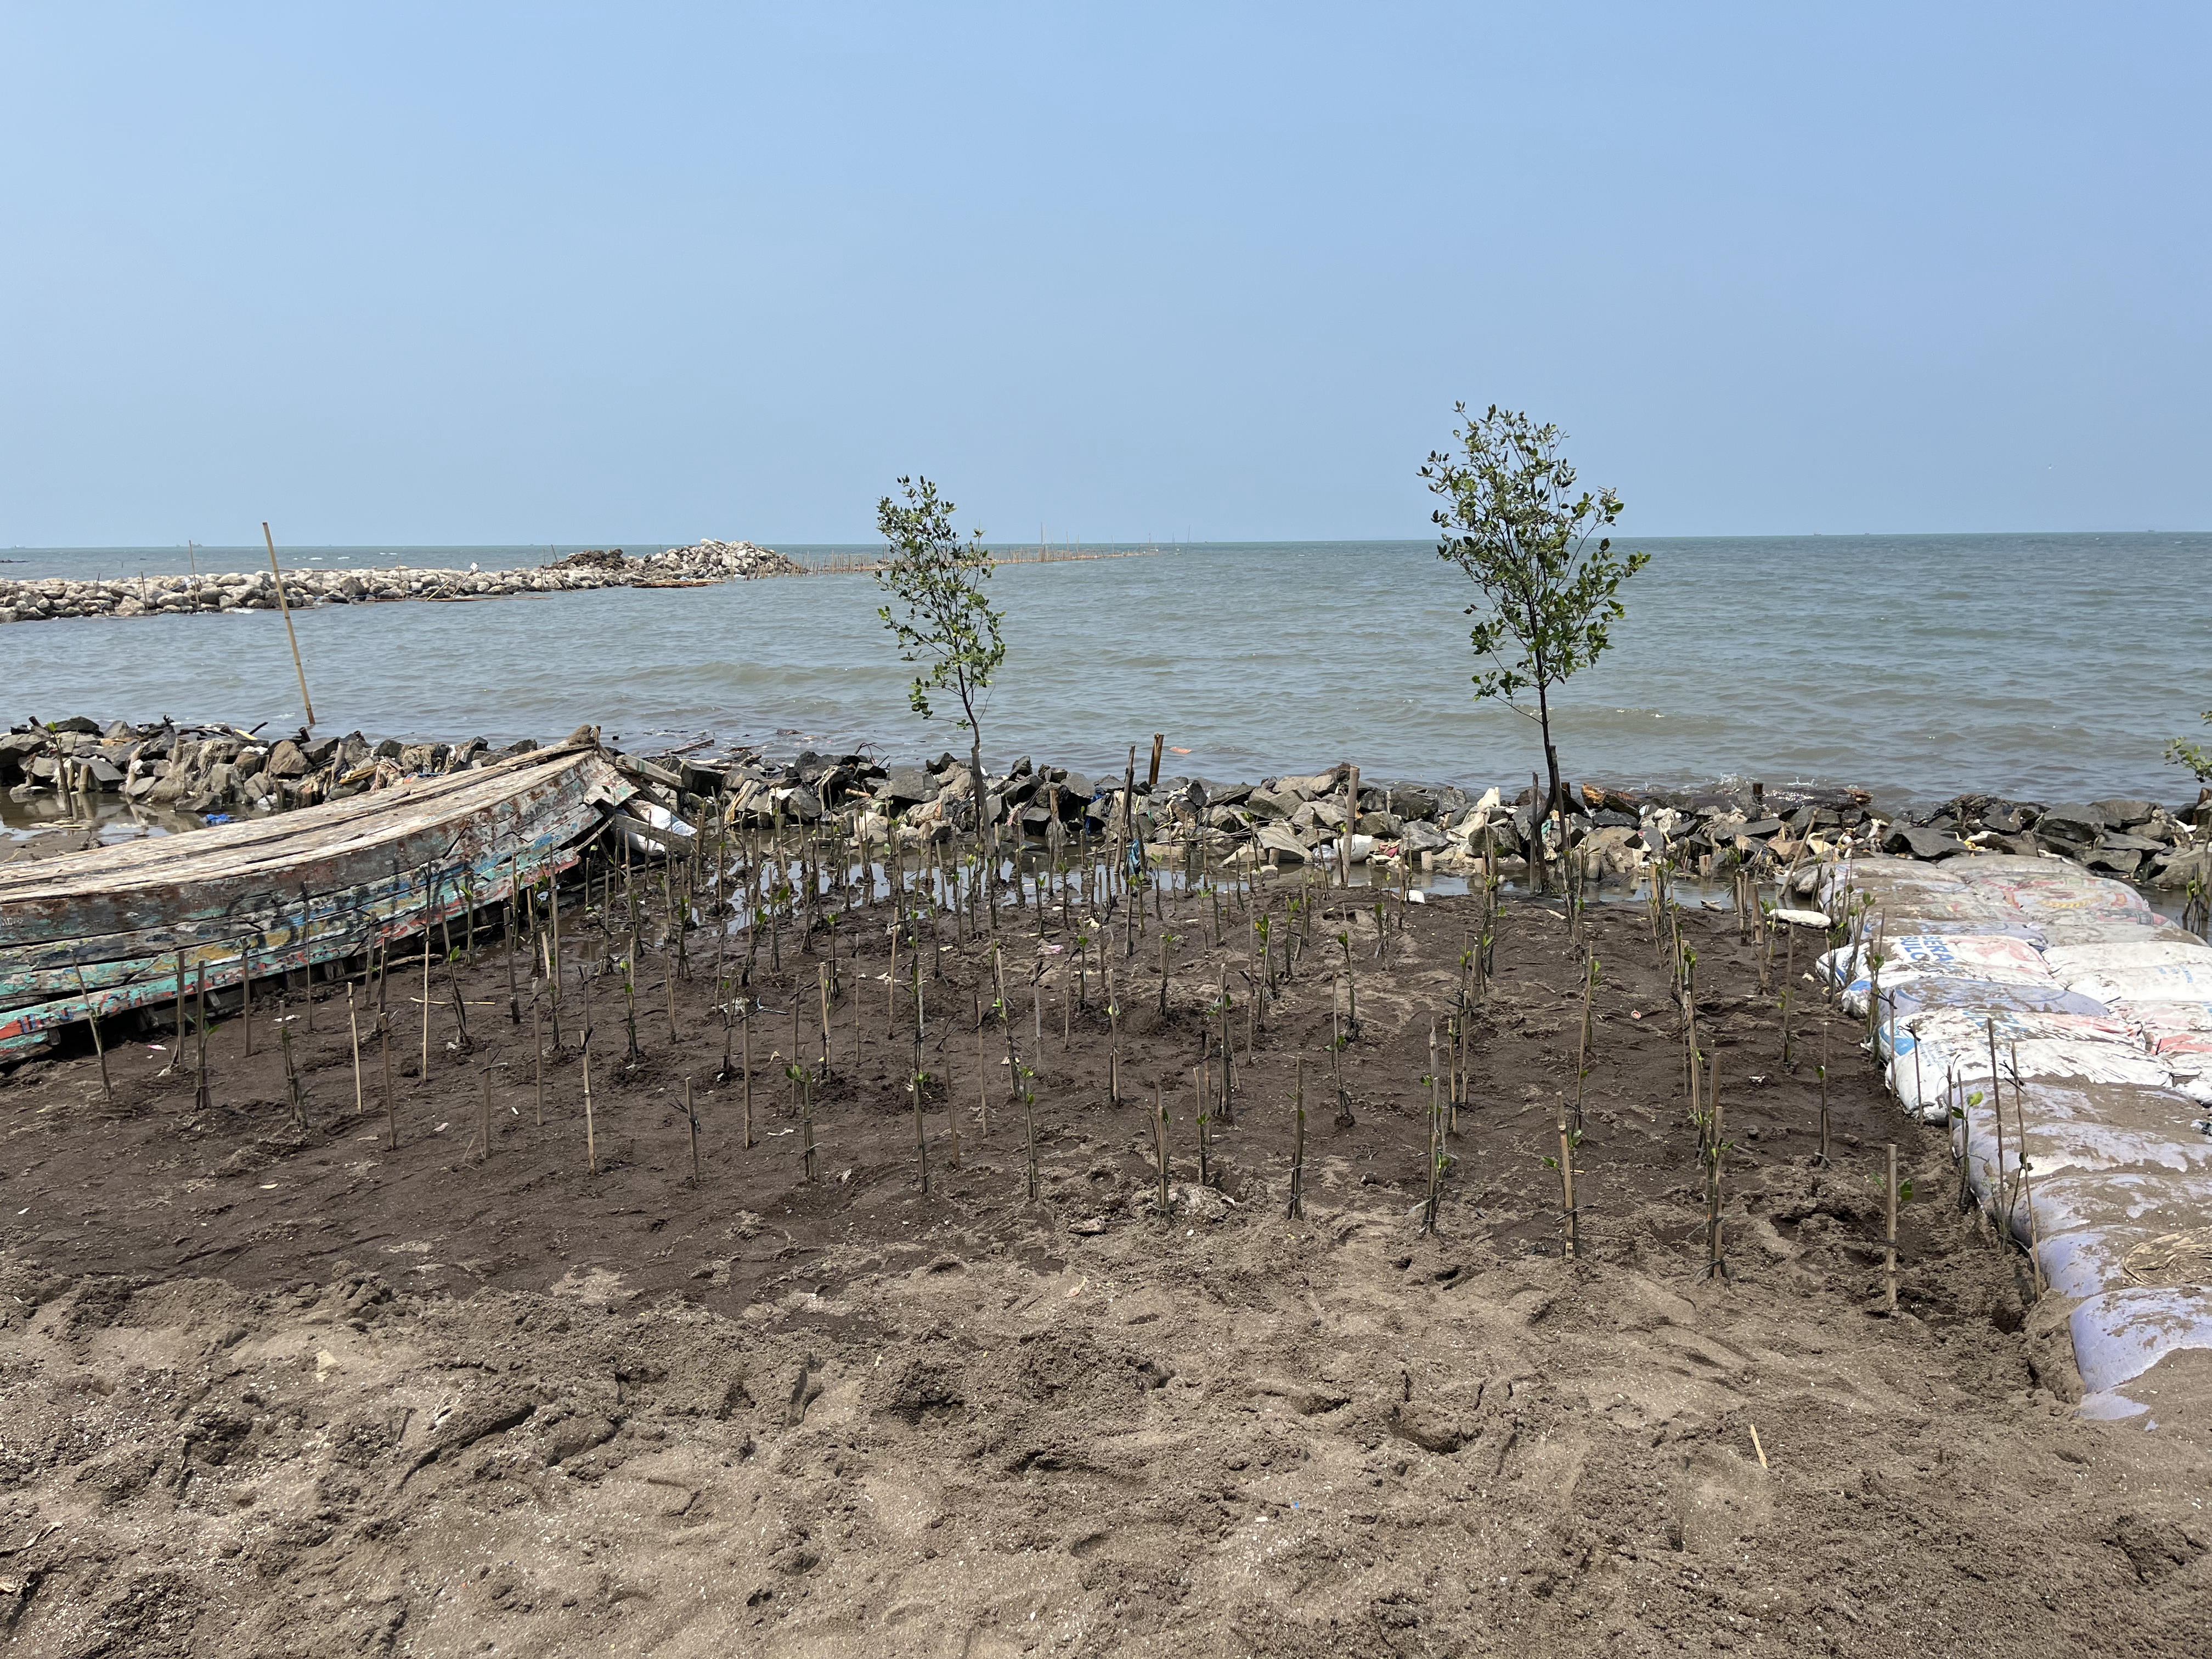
(803, 1086)
(1205, 1127)
(1026, 1077)
(1570, 1137)
(1298, 1145)
(2027, 1186)
(1166, 939)
(391, 1111)
(947, 624)
(1160, 1143)
(506, 938)
(746, 1073)
(1715, 1148)
(1590, 971)
(291, 1071)
(486, 1157)
(1228, 1081)
(591, 1130)
(1889, 1200)
(1350, 985)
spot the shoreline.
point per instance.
(209, 773)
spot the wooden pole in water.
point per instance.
(284, 607)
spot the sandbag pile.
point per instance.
(2062, 1031)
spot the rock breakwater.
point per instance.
(55, 598)
(1329, 817)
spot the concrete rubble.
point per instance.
(52, 598)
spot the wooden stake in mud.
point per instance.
(692, 1120)
(2026, 1185)
(306, 701)
(391, 1111)
(177, 1057)
(487, 1112)
(353, 1024)
(423, 1076)
(1889, 1235)
(291, 1072)
(748, 1073)
(1204, 1129)
(245, 991)
(1298, 1147)
(92, 1023)
(591, 1138)
(1823, 1154)
(1160, 1143)
(538, 1054)
(1567, 1210)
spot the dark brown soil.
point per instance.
(274, 1391)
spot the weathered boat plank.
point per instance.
(312, 886)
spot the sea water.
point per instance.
(2048, 667)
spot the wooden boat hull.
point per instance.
(93, 934)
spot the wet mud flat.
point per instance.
(276, 1389)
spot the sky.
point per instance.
(463, 274)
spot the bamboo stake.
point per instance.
(1889, 1238)
(285, 608)
(2026, 1185)
(1567, 1188)
(591, 1137)
(691, 1118)
(1298, 1146)
(92, 1021)
(353, 1024)
(391, 1111)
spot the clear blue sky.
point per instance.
(453, 273)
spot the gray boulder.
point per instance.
(1420, 836)
(2072, 823)
(909, 786)
(1911, 841)
(2119, 861)
(2123, 814)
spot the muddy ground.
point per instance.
(271, 1390)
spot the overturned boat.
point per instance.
(90, 934)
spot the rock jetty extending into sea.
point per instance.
(206, 771)
(54, 596)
